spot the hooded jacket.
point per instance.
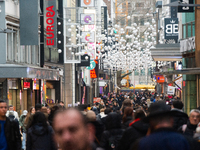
(39, 138)
(134, 132)
(113, 129)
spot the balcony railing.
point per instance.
(188, 30)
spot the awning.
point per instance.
(166, 52)
(183, 71)
(20, 71)
(143, 87)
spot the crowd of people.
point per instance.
(125, 121)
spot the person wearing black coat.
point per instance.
(180, 118)
(137, 129)
(113, 131)
(127, 117)
(40, 134)
(10, 138)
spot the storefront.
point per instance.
(23, 86)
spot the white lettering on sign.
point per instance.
(172, 28)
(187, 44)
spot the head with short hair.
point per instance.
(194, 116)
(11, 107)
(107, 111)
(91, 116)
(38, 107)
(177, 104)
(72, 130)
(3, 109)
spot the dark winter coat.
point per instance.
(162, 139)
(99, 128)
(115, 108)
(13, 137)
(105, 143)
(189, 130)
(180, 118)
(132, 133)
(125, 125)
(40, 139)
(113, 129)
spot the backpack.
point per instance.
(114, 141)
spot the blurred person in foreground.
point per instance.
(161, 135)
(10, 138)
(72, 131)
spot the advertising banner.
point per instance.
(96, 100)
(171, 30)
(170, 90)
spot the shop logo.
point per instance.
(87, 2)
(172, 28)
(87, 19)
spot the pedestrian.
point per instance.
(28, 119)
(127, 117)
(38, 107)
(54, 109)
(11, 109)
(161, 135)
(23, 128)
(99, 126)
(40, 134)
(72, 131)
(136, 130)
(113, 133)
(62, 104)
(115, 108)
(10, 138)
(180, 118)
(190, 128)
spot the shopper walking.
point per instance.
(10, 138)
(40, 134)
(23, 128)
